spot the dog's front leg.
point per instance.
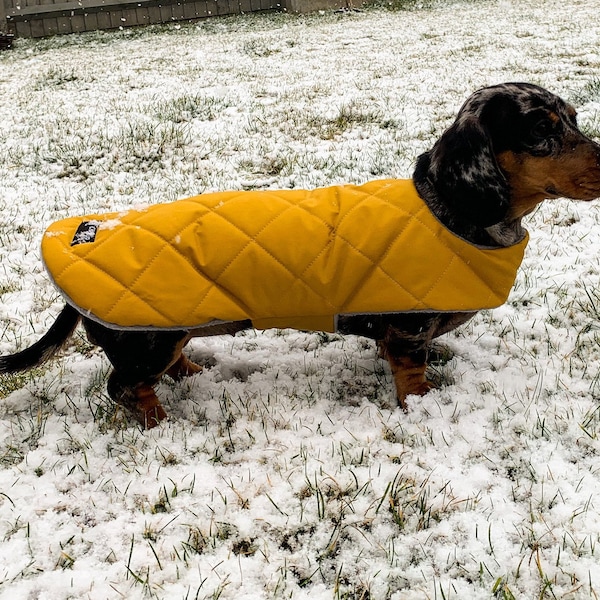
(406, 345)
(408, 371)
(403, 339)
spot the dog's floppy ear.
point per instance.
(465, 174)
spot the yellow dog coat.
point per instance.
(292, 258)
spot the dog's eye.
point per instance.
(542, 129)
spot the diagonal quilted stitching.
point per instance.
(59, 279)
(454, 256)
(376, 264)
(305, 271)
(303, 276)
(253, 239)
(86, 251)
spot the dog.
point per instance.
(511, 147)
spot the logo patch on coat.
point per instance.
(86, 233)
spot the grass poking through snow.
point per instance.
(285, 470)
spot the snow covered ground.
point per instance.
(283, 472)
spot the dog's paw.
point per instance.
(419, 389)
(146, 408)
(183, 367)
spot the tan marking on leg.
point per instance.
(409, 378)
(147, 408)
(183, 367)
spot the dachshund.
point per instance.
(511, 146)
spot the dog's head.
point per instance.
(510, 147)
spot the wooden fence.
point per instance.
(38, 18)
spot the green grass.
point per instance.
(285, 470)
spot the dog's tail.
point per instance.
(60, 331)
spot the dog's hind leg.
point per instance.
(140, 400)
(183, 367)
(140, 359)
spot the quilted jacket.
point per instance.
(292, 258)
